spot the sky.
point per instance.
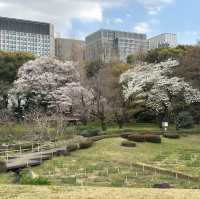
(78, 18)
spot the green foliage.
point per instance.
(145, 138)
(9, 65)
(136, 138)
(162, 54)
(153, 138)
(185, 120)
(128, 144)
(130, 59)
(171, 135)
(145, 116)
(92, 68)
(90, 132)
(26, 179)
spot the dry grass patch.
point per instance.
(41, 192)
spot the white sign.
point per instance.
(165, 124)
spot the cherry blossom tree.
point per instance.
(52, 85)
(155, 86)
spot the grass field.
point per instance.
(109, 164)
(41, 192)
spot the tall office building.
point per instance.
(27, 36)
(108, 44)
(163, 40)
(70, 49)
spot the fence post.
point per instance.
(32, 146)
(176, 176)
(20, 148)
(7, 156)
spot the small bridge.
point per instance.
(15, 160)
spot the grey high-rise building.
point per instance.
(27, 36)
(70, 49)
(163, 40)
(109, 44)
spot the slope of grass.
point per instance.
(109, 164)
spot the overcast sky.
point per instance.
(77, 18)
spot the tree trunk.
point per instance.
(103, 124)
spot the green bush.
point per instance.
(145, 138)
(145, 117)
(27, 179)
(128, 144)
(171, 135)
(85, 144)
(185, 120)
(136, 138)
(125, 135)
(90, 132)
(153, 138)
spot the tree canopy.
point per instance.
(49, 84)
(163, 54)
(9, 65)
(156, 86)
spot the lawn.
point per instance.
(109, 164)
(51, 192)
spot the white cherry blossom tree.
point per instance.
(155, 86)
(51, 84)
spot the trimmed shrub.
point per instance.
(145, 138)
(153, 138)
(63, 152)
(136, 138)
(162, 186)
(128, 144)
(171, 135)
(125, 135)
(2, 166)
(72, 147)
(85, 144)
(90, 132)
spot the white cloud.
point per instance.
(59, 12)
(118, 20)
(142, 27)
(191, 33)
(154, 6)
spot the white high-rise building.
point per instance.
(107, 44)
(27, 36)
(163, 40)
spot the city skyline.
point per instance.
(79, 18)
